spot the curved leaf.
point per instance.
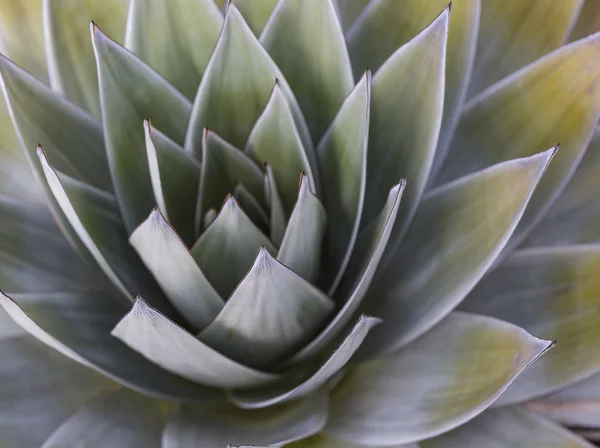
(164, 343)
(556, 291)
(223, 424)
(236, 87)
(588, 21)
(121, 418)
(130, 91)
(507, 428)
(275, 140)
(457, 233)
(564, 97)
(175, 270)
(176, 38)
(277, 212)
(71, 63)
(250, 205)
(321, 78)
(226, 250)
(350, 10)
(73, 137)
(256, 13)
(271, 312)
(175, 177)
(437, 383)
(332, 363)
(343, 157)
(513, 35)
(300, 249)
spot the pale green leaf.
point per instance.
(458, 231)
(588, 21)
(514, 34)
(437, 383)
(175, 270)
(508, 428)
(562, 105)
(78, 324)
(323, 441)
(386, 25)
(250, 205)
(277, 212)
(361, 270)
(329, 366)
(576, 406)
(224, 424)
(130, 91)
(575, 216)
(94, 217)
(402, 140)
(73, 138)
(176, 38)
(223, 168)
(175, 177)
(226, 250)
(236, 86)
(275, 140)
(300, 249)
(171, 347)
(71, 63)
(21, 35)
(556, 292)
(256, 12)
(343, 157)
(270, 314)
(306, 41)
(121, 418)
(350, 10)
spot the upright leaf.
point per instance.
(322, 77)
(343, 157)
(350, 10)
(176, 38)
(130, 91)
(71, 63)
(277, 213)
(256, 13)
(439, 382)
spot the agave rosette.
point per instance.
(240, 259)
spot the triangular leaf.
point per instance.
(277, 212)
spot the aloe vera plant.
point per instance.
(299, 223)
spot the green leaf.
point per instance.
(130, 91)
(332, 363)
(94, 217)
(363, 264)
(402, 140)
(176, 38)
(563, 94)
(508, 428)
(461, 366)
(223, 168)
(40, 389)
(256, 13)
(272, 312)
(226, 250)
(560, 286)
(457, 233)
(388, 25)
(513, 35)
(300, 249)
(223, 424)
(575, 406)
(71, 63)
(575, 215)
(350, 10)
(277, 213)
(121, 418)
(323, 441)
(175, 270)
(588, 21)
(171, 347)
(73, 137)
(175, 177)
(236, 86)
(21, 35)
(343, 157)
(306, 41)
(250, 205)
(78, 325)
(275, 140)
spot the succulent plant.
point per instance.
(316, 223)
